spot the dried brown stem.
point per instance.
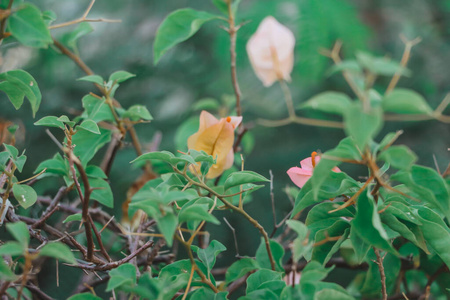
(3, 21)
(232, 31)
(403, 62)
(379, 262)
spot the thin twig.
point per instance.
(234, 236)
(379, 262)
(403, 62)
(84, 19)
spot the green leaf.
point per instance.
(196, 212)
(257, 279)
(59, 251)
(125, 274)
(428, 185)
(345, 149)
(102, 191)
(313, 272)
(65, 119)
(13, 152)
(74, 217)
(400, 157)
(329, 102)
(29, 28)
(88, 143)
(404, 101)
(360, 247)
(56, 165)
(367, 224)
(11, 248)
(120, 76)
(138, 112)
(329, 294)
(262, 258)
(19, 231)
(90, 125)
(208, 104)
(24, 194)
(18, 84)
(398, 226)
(350, 65)
(323, 253)
(5, 272)
(436, 233)
(160, 155)
(84, 296)
(240, 268)
(243, 177)
(48, 16)
(178, 27)
(362, 125)
(208, 255)
(50, 121)
(96, 110)
(381, 65)
(334, 185)
(20, 162)
(71, 39)
(92, 78)
(300, 245)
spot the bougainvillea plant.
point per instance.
(390, 225)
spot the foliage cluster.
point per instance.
(390, 225)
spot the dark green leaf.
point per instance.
(120, 76)
(161, 155)
(196, 212)
(5, 272)
(367, 224)
(96, 110)
(138, 112)
(436, 233)
(257, 279)
(360, 247)
(240, 268)
(50, 121)
(71, 38)
(20, 162)
(208, 255)
(124, 274)
(178, 27)
(24, 194)
(329, 102)
(92, 78)
(381, 65)
(19, 231)
(362, 125)
(329, 294)
(59, 251)
(400, 157)
(243, 177)
(18, 84)
(29, 28)
(88, 143)
(89, 125)
(11, 248)
(404, 101)
(84, 296)
(75, 217)
(262, 257)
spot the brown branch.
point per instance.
(115, 264)
(232, 31)
(379, 262)
(3, 22)
(38, 292)
(403, 62)
(432, 278)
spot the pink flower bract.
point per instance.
(300, 176)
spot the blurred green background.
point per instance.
(199, 68)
